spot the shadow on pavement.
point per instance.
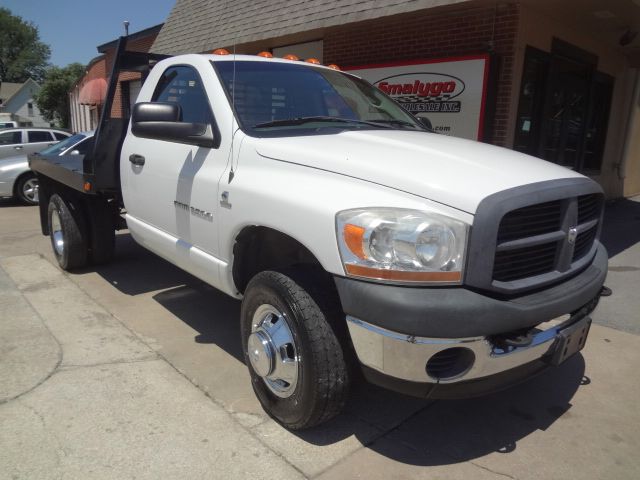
(11, 202)
(135, 270)
(451, 431)
(197, 306)
(406, 429)
(621, 226)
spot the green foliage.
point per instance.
(22, 54)
(53, 97)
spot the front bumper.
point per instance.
(405, 357)
(395, 339)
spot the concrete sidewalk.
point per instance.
(83, 397)
(133, 370)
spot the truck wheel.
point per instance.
(297, 366)
(67, 233)
(103, 234)
(27, 189)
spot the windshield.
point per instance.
(58, 148)
(275, 99)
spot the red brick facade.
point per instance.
(434, 34)
(85, 117)
(137, 45)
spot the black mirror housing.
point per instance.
(156, 112)
(161, 121)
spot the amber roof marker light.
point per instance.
(315, 61)
(333, 66)
(291, 56)
(265, 54)
(220, 51)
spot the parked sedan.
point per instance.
(26, 140)
(17, 180)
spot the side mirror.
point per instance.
(427, 124)
(161, 121)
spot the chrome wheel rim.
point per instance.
(30, 190)
(57, 237)
(272, 351)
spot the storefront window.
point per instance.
(531, 101)
(597, 123)
(564, 108)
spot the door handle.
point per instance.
(136, 159)
(18, 148)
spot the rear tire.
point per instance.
(280, 316)
(67, 232)
(27, 189)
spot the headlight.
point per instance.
(408, 246)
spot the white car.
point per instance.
(17, 179)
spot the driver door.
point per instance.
(171, 197)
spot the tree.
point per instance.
(22, 54)
(53, 97)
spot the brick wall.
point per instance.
(138, 45)
(434, 34)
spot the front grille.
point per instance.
(589, 207)
(584, 242)
(527, 237)
(528, 221)
(535, 239)
(524, 262)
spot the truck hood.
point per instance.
(453, 171)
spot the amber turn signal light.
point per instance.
(353, 237)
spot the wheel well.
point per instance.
(262, 248)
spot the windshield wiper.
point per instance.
(395, 121)
(302, 120)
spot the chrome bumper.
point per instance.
(405, 356)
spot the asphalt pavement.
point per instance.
(134, 370)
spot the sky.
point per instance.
(74, 28)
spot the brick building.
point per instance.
(88, 94)
(557, 80)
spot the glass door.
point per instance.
(565, 112)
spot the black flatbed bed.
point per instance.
(68, 170)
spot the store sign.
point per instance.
(450, 92)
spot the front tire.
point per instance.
(67, 232)
(297, 365)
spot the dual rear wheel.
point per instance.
(76, 237)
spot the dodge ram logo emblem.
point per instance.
(571, 235)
